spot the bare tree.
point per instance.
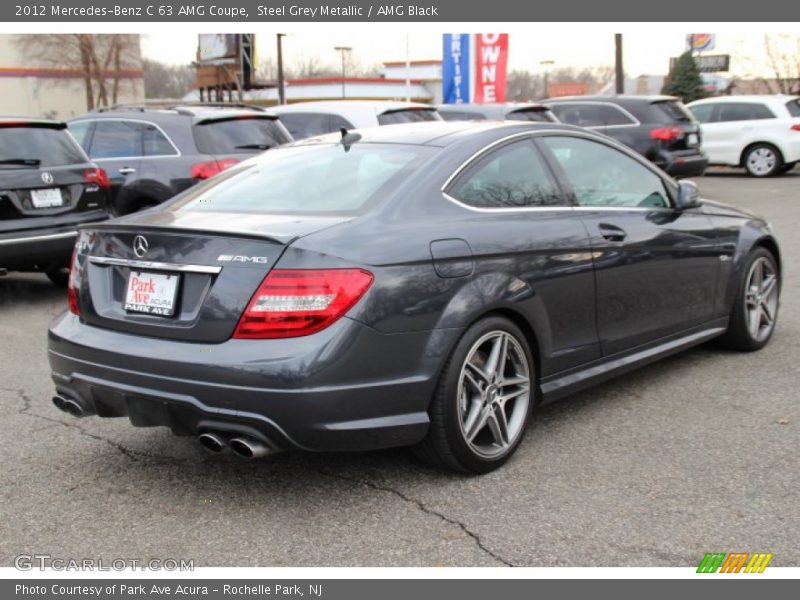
(167, 81)
(774, 70)
(101, 59)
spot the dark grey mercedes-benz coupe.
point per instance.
(426, 285)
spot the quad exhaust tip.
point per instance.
(70, 406)
(211, 442)
(249, 448)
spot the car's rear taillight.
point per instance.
(297, 302)
(795, 127)
(98, 177)
(72, 284)
(666, 134)
(204, 170)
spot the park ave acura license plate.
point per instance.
(151, 293)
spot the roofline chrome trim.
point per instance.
(39, 238)
(158, 266)
(150, 123)
(636, 122)
(562, 207)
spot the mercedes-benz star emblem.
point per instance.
(47, 177)
(140, 246)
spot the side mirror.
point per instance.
(688, 195)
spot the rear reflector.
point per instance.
(795, 127)
(208, 169)
(293, 303)
(97, 176)
(72, 284)
(666, 134)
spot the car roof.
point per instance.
(363, 113)
(436, 133)
(770, 98)
(622, 98)
(499, 107)
(156, 114)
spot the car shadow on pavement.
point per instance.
(30, 288)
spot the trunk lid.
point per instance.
(211, 264)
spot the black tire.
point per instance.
(739, 336)
(771, 166)
(445, 445)
(58, 275)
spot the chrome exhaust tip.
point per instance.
(70, 406)
(211, 442)
(249, 448)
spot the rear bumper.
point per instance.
(683, 165)
(348, 387)
(40, 249)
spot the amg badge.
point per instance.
(259, 260)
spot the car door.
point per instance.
(117, 146)
(655, 266)
(522, 226)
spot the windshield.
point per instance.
(235, 136)
(37, 146)
(316, 179)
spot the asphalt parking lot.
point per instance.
(695, 454)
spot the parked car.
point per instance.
(48, 186)
(425, 285)
(759, 133)
(309, 119)
(510, 111)
(657, 127)
(151, 154)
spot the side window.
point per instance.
(743, 111)
(80, 131)
(337, 122)
(306, 124)
(583, 115)
(603, 176)
(116, 139)
(513, 176)
(156, 143)
(612, 115)
(703, 112)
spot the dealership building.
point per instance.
(36, 90)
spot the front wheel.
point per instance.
(755, 309)
(483, 401)
(763, 160)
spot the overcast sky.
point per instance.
(647, 49)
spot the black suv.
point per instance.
(48, 186)
(509, 111)
(152, 154)
(658, 127)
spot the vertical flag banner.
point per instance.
(456, 68)
(491, 59)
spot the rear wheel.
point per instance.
(763, 160)
(755, 309)
(483, 401)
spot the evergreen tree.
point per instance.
(684, 80)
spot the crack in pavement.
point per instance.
(134, 455)
(420, 505)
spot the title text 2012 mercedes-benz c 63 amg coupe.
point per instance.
(426, 285)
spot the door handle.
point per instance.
(126, 170)
(612, 233)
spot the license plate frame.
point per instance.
(47, 198)
(151, 293)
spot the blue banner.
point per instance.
(456, 68)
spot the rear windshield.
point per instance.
(670, 111)
(531, 114)
(409, 115)
(318, 179)
(50, 147)
(793, 106)
(239, 135)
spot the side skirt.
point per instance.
(560, 385)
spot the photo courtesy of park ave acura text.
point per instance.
(341, 286)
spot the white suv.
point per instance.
(759, 133)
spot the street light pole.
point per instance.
(281, 82)
(546, 64)
(342, 50)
